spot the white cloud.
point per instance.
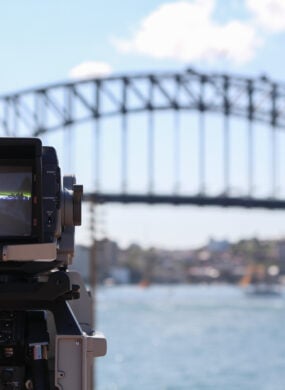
(90, 69)
(270, 14)
(186, 31)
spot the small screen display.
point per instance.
(15, 201)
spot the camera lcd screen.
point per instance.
(15, 201)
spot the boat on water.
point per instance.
(144, 283)
(263, 290)
(261, 282)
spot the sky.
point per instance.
(46, 42)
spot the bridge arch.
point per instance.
(38, 111)
(55, 106)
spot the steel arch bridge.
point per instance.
(38, 111)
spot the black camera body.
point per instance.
(29, 191)
(45, 310)
(37, 215)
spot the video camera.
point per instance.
(46, 336)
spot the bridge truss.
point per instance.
(44, 110)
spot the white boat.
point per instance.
(263, 290)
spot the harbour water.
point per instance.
(190, 337)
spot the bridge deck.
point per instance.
(179, 200)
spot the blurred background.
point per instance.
(172, 116)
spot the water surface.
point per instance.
(190, 337)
